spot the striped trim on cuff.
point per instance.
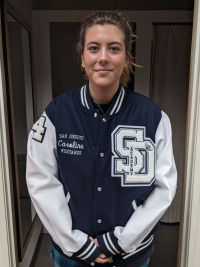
(108, 244)
(89, 252)
(141, 247)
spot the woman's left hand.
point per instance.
(94, 241)
(102, 257)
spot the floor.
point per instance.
(165, 255)
(166, 246)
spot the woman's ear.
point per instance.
(82, 63)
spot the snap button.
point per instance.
(104, 119)
(99, 189)
(101, 155)
(92, 263)
(95, 114)
(99, 221)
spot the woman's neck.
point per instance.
(103, 95)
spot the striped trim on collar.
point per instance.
(115, 104)
(118, 102)
(83, 97)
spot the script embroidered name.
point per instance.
(71, 145)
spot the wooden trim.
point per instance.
(5, 159)
(184, 171)
(35, 221)
(8, 139)
(172, 23)
(32, 245)
(12, 136)
(13, 12)
(183, 181)
(23, 246)
(32, 73)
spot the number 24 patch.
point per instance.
(39, 129)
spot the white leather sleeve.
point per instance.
(47, 192)
(149, 213)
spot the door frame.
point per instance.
(189, 241)
(190, 227)
(8, 247)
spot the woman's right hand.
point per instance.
(102, 259)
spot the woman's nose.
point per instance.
(103, 56)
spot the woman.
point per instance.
(100, 165)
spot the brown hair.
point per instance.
(117, 19)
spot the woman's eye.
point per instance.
(115, 48)
(93, 48)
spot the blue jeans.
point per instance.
(146, 264)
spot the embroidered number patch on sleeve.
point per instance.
(39, 129)
(133, 156)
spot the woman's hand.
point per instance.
(102, 257)
(94, 241)
(102, 261)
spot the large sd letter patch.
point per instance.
(133, 156)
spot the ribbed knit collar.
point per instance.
(115, 105)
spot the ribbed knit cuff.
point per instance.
(108, 244)
(89, 252)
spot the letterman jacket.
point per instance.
(109, 176)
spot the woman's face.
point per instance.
(104, 56)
